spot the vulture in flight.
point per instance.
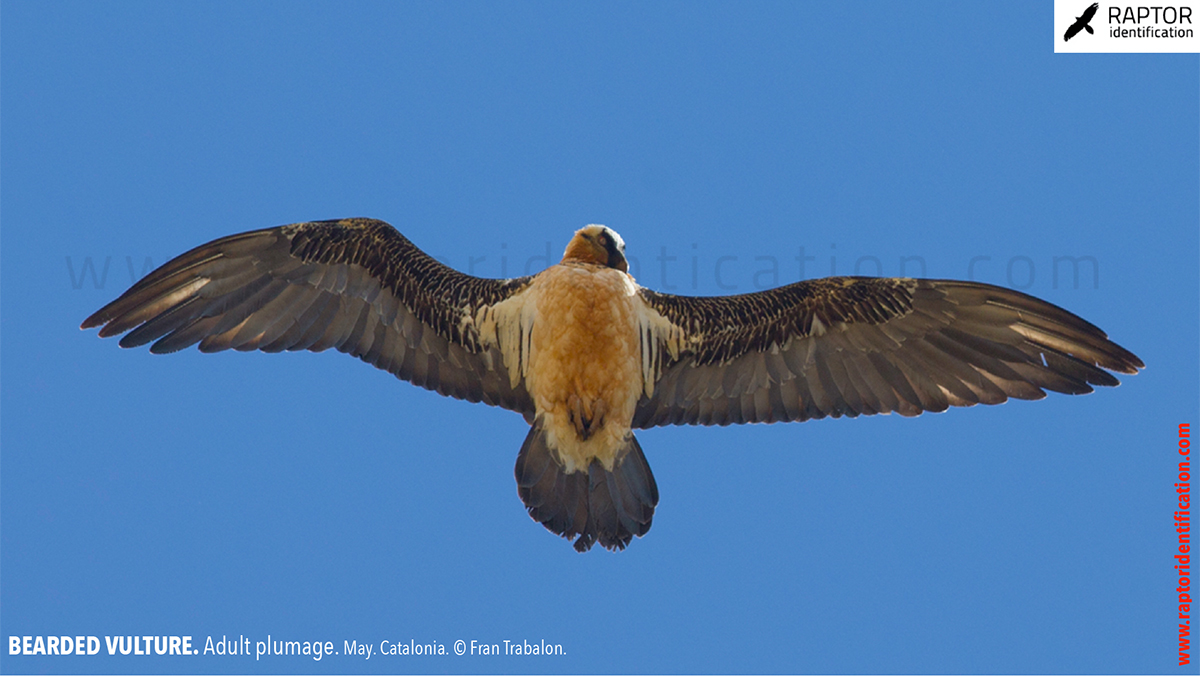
(587, 355)
(1082, 22)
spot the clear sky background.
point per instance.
(311, 497)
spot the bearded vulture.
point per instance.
(587, 356)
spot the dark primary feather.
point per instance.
(356, 285)
(860, 346)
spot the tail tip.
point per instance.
(586, 507)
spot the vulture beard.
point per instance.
(587, 356)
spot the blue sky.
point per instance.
(313, 498)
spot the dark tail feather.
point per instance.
(597, 505)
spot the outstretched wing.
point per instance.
(356, 285)
(859, 346)
(1089, 12)
(1072, 30)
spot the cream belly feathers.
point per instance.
(585, 369)
(586, 347)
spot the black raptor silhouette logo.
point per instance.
(1081, 22)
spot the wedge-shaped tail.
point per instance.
(596, 505)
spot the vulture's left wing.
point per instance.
(858, 346)
(356, 285)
